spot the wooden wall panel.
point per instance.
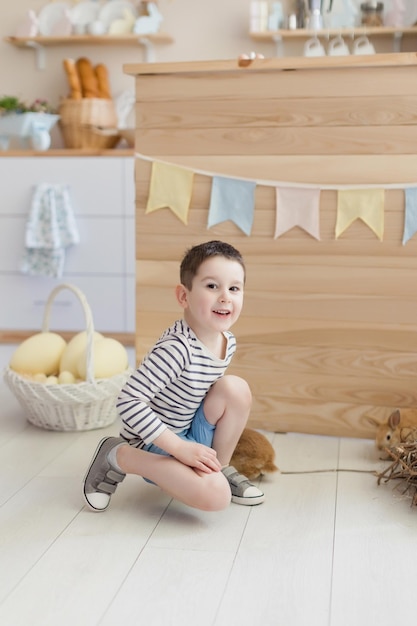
(313, 140)
(328, 333)
(279, 112)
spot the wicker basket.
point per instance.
(81, 406)
(89, 137)
(89, 123)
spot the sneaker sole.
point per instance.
(248, 501)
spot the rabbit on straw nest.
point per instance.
(400, 427)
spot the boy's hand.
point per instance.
(198, 456)
(193, 454)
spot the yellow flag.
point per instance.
(366, 204)
(171, 186)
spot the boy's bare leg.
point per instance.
(208, 492)
(228, 405)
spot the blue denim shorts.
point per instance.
(199, 431)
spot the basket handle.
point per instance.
(88, 320)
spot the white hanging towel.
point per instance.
(50, 229)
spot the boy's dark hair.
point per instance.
(195, 256)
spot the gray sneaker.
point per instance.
(243, 491)
(101, 479)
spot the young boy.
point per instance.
(181, 416)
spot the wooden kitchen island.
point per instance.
(328, 334)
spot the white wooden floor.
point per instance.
(325, 549)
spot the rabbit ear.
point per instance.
(394, 419)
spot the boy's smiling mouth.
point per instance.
(221, 312)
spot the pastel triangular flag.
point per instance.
(234, 200)
(297, 207)
(171, 186)
(410, 224)
(366, 204)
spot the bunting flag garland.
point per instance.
(297, 207)
(366, 204)
(410, 224)
(232, 199)
(171, 186)
(297, 204)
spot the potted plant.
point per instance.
(28, 122)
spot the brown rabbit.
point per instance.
(400, 426)
(253, 455)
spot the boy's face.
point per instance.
(215, 301)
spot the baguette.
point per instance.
(73, 79)
(88, 79)
(103, 81)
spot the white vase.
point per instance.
(33, 126)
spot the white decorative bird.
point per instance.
(148, 24)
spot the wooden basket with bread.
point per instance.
(88, 116)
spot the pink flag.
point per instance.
(297, 207)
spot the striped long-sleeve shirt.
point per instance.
(169, 385)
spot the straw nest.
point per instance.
(402, 469)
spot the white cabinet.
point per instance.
(102, 265)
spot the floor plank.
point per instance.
(86, 561)
(283, 566)
(375, 568)
(172, 586)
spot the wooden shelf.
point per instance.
(38, 44)
(68, 152)
(278, 37)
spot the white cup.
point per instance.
(337, 47)
(96, 28)
(313, 48)
(362, 45)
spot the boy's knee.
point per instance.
(237, 388)
(216, 494)
(229, 392)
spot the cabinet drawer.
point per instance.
(27, 296)
(102, 248)
(97, 185)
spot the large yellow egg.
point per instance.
(75, 347)
(109, 358)
(39, 354)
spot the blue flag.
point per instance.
(410, 224)
(233, 200)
